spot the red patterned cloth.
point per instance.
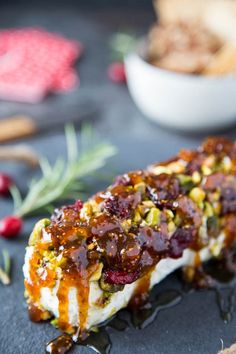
(34, 62)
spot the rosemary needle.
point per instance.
(6, 261)
(5, 274)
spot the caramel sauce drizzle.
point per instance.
(140, 296)
(63, 298)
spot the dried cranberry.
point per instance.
(189, 212)
(180, 240)
(120, 277)
(214, 181)
(195, 164)
(117, 206)
(228, 200)
(121, 180)
(228, 194)
(68, 212)
(217, 145)
(163, 189)
(104, 224)
(122, 202)
(154, 241)
(77, 206)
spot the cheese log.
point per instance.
(92, 259)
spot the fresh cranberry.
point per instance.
(10, 226)
(5, 184)
(116, 72)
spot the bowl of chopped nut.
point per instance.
(183, 74)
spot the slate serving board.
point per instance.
(193, 326)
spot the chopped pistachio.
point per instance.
(97, 274)
(153, 217)
(227, 164)
(94, 329)
(148, 204)
(54, 322)
(217, 208)
(142, 210)
(216, 249)
(141, 187)
(213, 227)
(126, 225)
(201, 205)
(157, 170)
(184, 179)
(177, 220)
(137, 217)
(35, 235)
(110, 288)
(197, 194)
(215, 196)
(171, 226)
(61, 261)
(208, 209)
(176, 167)
(206, 170)
(86, 211)
(169, 213)
(210, 161)
(196, 177)
(186, 182)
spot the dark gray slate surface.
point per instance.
(194, 326)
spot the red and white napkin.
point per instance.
(34, 62)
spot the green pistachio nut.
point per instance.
(36, 233)
(197, 195)
(153, 217)
(186, 182)
(110, 288)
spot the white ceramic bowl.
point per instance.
(182, 101)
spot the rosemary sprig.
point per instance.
(64, 179)
(5, 272)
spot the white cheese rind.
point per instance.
(97, 314)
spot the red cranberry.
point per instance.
(120, 277)
(5, 184)
(180, 240)
(116, 72)
(10, 226)
(78, 204)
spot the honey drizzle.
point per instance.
(140, 295)
(63, 306)
(83, 301)
(36, 282)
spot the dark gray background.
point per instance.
(194, 326)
